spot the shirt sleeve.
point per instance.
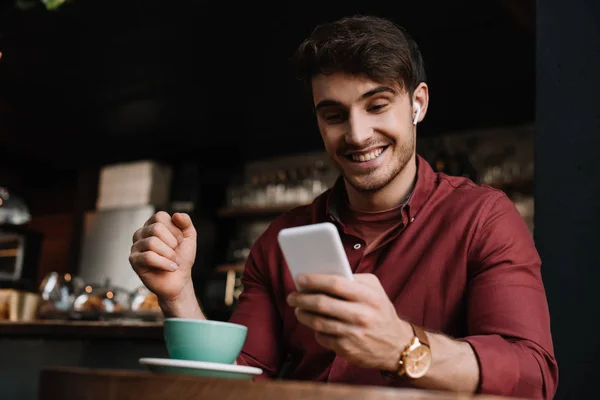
(507, 311)
(257, 311)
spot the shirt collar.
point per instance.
(421, 191)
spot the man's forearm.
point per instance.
(185, 306)
(454, 366)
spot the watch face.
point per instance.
(417, 362)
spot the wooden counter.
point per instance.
(82, 329)
(92, 384)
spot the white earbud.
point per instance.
(418, 107)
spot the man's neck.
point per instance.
(390, 196)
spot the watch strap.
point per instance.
(420, 334)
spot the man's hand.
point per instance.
(355, 319)
(162, 255)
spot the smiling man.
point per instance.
(448, 292)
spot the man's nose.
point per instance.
(358, 131)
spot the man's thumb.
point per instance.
(184, 222)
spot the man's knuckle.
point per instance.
(320, 339)
(336, 286)
(153, 242)
(318, 325)
(364, 319)
(158, 229)
(162, 216)
(147, 257)
(321, 303)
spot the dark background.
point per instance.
(105, 81)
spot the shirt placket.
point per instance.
(355, 251)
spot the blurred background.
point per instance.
(127, 107)
(113, 110)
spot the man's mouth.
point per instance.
(364, 156)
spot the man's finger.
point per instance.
(156, 245)
(324, 305)
(184, 223)
(137, 235)
(321, 324)
(162, 232)
(152, 261)
(328, 341)
(333, 285)
(164, 218)
(367, 279)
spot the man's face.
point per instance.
(366, 128)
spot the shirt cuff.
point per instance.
(498, 364)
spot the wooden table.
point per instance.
(91, 384)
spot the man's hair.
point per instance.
(362, 45)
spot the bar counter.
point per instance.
(27, 347)
(82, 329)
(92, 384)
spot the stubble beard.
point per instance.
(378, 178)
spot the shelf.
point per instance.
(257, 211)
(82, 329)
(522, 186)
(230, 267)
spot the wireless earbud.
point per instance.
(418, 107)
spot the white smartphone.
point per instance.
(315, 248)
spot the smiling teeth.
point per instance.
(368, 156)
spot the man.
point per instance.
(448, 292)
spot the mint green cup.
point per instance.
(209, 341)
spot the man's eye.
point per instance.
(333, 117)
(377, 107)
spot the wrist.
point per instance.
(185, 305)
(404, 337)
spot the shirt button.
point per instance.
(357, 246)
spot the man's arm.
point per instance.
(507, 310)
(357, 320)
(453, 368)
(509, 348)
(184, 306)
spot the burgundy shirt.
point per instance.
(460, 261)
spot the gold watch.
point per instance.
(415, 360)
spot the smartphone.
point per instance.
(315, 248)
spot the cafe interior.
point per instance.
(113, 110)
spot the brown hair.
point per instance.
(362, 45)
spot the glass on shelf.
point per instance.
(271, 189)
(234, 193)
(260, 195)
(280, 187)
(285, 186)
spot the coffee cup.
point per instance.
(203, 340)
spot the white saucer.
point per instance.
(199, 368)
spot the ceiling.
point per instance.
(103, 81)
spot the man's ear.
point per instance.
(420, 101)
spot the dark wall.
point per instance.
(567, 185)
(104, 81)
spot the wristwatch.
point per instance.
(415, 360)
